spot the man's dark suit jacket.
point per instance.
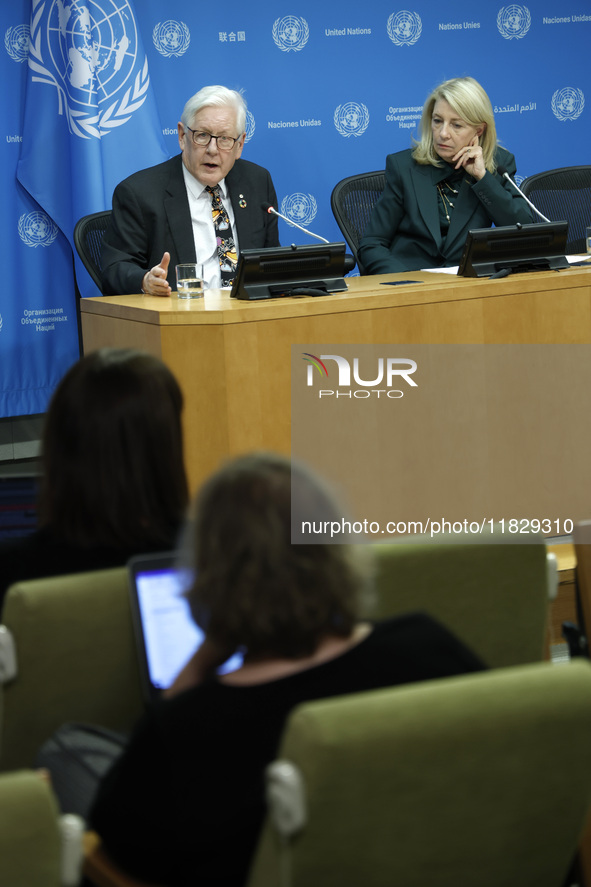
(404, 233)
(151, 215)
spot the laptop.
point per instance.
(165, 633)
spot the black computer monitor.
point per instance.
(536, 247)
(18, 505)
(279, 271)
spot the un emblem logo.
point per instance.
(290, 32)
(16, 43)
(171, 38)
(37, 229)
(351, 119)
(88, 52)
(250, 126)
(299, 207)
(513, 21)
(404, 27)
(568, 103)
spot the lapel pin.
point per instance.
(242, 201)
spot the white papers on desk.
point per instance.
(454, 268)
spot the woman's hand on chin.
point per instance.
(203, 663)
(471, 158)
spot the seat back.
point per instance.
(563, 194)
(352, 201)
(492, 596)
(30, 841)
(76, 660)
(482, 779)
(88, 239)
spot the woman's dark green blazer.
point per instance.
(404, 231)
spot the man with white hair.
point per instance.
(203, 205)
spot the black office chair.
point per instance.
(88, 238)
(352, 201)
(563, 194)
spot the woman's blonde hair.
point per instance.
(470, 102)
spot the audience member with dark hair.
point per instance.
(113, 480)
(184, 803)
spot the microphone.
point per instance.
(506, 175)
(269, 208)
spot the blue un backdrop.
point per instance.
(97, 88)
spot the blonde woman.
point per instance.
(448, 183)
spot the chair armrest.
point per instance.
(71, 827)
(8, 666)
(552, 568)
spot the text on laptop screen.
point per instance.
(170, 634)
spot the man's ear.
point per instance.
(240, 145)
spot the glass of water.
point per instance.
(588, 239)
(189, 280)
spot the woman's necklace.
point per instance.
(445, 201)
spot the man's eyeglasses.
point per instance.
(202, 140)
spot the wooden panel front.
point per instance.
(232, 358)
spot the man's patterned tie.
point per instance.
(224, 238)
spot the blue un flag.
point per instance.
(90, 117)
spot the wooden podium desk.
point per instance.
(232, 358)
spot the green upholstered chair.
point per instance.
(493, 596)
(76, 654)
(76, 660)
(38, 847)
(482, 780)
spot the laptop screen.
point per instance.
(166, 635)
